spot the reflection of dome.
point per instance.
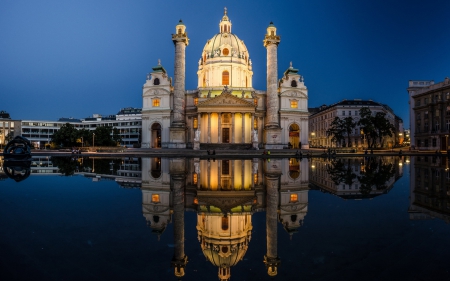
(224, 239)
(230, 58)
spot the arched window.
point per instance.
(293, 83)
(156, 102)
(225, 78)
(156, 81)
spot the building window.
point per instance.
(225, 78)
(349, 113)
(426, 115)
(195, 123)
(434, 142)
(294, 104)
(437, 126)
(426, 101)
(195, 178)
(255, 178)
(255, 124)
(356, 112)
(156, 81)
(155, 198)
(293, 83)
(195, 101)
(156, 102)
(294, 197)
(226, 118)
(343, 113)
(225, 52)
(426, 144)
(255, 101)
(448, 125)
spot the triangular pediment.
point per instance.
(226, 100)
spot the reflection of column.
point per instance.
(179, 259)
(232, 174)
(232, 127)
(220, 127)
(209, 175)
(271, 258)
(243, 127)
(219, 165)
(243, 173)
(209, 127)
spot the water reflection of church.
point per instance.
(224, 194)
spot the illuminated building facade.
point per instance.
(225, 111)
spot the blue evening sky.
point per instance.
(77, 58)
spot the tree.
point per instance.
(382, 126)
(9, 137)
(117, 139)
(366, 122)
(347, 126)
(335, 130)
(66, 136)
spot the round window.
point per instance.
(225, 52)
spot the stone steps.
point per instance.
(225, 146)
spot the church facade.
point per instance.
(225, 111)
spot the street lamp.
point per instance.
(81, 141)
(93, 143)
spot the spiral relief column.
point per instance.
(272, 130)
(271, 259)
(177, 137)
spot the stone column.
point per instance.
(232, 127)
(179, 259)
(177, 134)
(271, 259)
(209, 127)
(243, 127)
(272, 132)
(219, 140)
(209, 175)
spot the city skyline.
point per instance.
(77, 59)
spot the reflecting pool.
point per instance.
(79, 218)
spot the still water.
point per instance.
(226, 219)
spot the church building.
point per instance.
(225, 111)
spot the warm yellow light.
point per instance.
(156, 102)
(155, 198)
(294, 197)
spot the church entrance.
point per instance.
(294, 136)
(225, 135)
(156, 135)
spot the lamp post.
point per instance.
(81, 141)
(93, 141)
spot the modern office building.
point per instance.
(321, 118)
(430, 114)
(127, 120)
(225, 111)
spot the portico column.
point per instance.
(209, 127)
(243, 127)
(232, 127)
(199, 118)
(220, 127)
(252, 126)
(209, 175)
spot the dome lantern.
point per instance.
(225, 23)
